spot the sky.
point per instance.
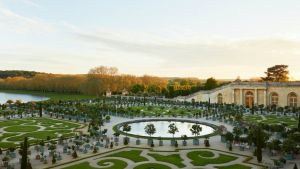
(166, 38)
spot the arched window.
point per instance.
(249, 99)
(274, 99)
(293, 100)
(220, 98)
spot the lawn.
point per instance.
(235, 166)
(152, 166)
(118, 164)
(173, 159)
(21, 128)
(52, 95)
(133, 155)
(57, 127)
(199, 161)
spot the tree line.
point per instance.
(95, 82)
(17, 73)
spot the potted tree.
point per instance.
(229, 137)
(138, 141)
(104, 132)
(107, 119)
(184, 138)
(172, 130)
(289, 146)
(12, 154)
(116, 139)
(160, 143)
(150, 130)
(126, 128)
(196, 129)
(5, 161)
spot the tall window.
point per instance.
(249, 99)
(220, 98)
(274, 99)
(293, 100)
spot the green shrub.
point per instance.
(108, 117)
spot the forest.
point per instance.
(99, 79)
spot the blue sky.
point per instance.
(194, 38)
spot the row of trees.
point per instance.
(95, 82)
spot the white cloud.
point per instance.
(11, 21)
(68, 25)
(208, 52)
(29, 3)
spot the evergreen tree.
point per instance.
(252, 110)
(299, 123)
(24, 155)
(41, 110)
(176, 144)
(295, 166)
(53, 159)
(125, 142)
(152, 144)
(208, 105)
(230, 147)
(75, 154)
(259, 145)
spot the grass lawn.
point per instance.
(59, 127)
(51, 95)
(118, 164)
(152, 165)
(235, 166)
(199, 161)
(5, 135)
(173, 159)
(133, 155)
(21, 128)
(206, 153)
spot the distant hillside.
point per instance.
(17, 73)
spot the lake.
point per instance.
(23, 97)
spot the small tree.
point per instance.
(152, 144)
(172, 129)
(111, 145)
(53, 159)
(95, 150)
(24, 155)
(126, 128)
(176, 144)
(75, 154)
(230, 147)
(196, 129)
(150, 129)
(259, 145)
(295, 166)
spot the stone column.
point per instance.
(255, 96)
(265, 97)
(232, 97)
(241, 96)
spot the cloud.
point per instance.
(30, 3)
(68, 25)
(210, 52)
(11, 21)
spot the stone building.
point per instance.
(124, 92)
(244, 93)
(108, 93)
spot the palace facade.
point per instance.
(244, 93)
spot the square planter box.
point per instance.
(195, 142)
(138, 142)
(270, 154)
(223, 139)
(184, 143)
(227, 145)
(172, 142)
(160, 143)
(278, 135)
(289, 156)
(149, 141)
(116, 139)
(128, 139)
(242, 148)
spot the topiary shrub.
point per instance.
(230, 147)
(255, 152)
(152, 144)
(176, 144)
(75, 154)
(107, 117)
(95, 150)
(111, 145)
(53, 159)
(126, 142)
(207, 143)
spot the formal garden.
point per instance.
(94, 133)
